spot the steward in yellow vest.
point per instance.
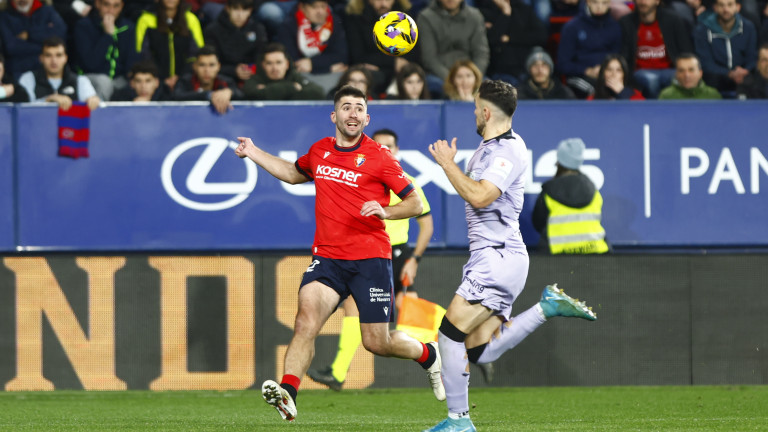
(568, 211)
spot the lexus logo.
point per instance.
(196, 182)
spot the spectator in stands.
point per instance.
(411, 84)
(23, 28)
(105, 47)
(359, 18)
(614, 81)
(357, 76)
(463, 80)
(239, 38)
(207, 11)
(10, 91)
(55, 82)
(134, 8)
(513, 30)
(572, 198)
(170, 37)
(315, 39)
(277, 79)
(688, 82)
(585, 41)
(71, 11)
(206, 84)
(726, 43)
(755, 85)
(450, 30)
(144, 85)
(541, 84)
(272, 14)
(663, 36)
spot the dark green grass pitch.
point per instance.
(694, 408)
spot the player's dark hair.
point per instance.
(348, 90)
(386, 131)
(244, 4)
(53, 41)
(502, 94)
(145, 66)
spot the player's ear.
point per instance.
(367, 119)
(333, 117)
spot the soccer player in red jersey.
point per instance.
(351, 254)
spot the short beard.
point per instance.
(481, 130)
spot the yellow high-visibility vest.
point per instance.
(398, 228)
(576, 230)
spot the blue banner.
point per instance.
(7, 209)
(164, 177)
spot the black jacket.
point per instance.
(236, 45)
(677, 35)
(188, 88)
(556, 90)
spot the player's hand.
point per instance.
(373, 208)
(442, 152)
(245, 147)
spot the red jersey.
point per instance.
(345, 178)
(651, 50)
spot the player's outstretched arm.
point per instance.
(278, 167)
(478, 194)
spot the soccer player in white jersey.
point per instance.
(497, 268)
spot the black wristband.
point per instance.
(417, 258)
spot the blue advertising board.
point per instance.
(165, 177)
(7, 209)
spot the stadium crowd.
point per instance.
(145, 50)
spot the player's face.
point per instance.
(762, 62)
(316, 12)
(381, 6)
(598, 7)
(206, 68)
(238, 15)
(275, 65)
(413, 86)
(726, 9)
(109, 7)
(144, 84)
(53, 60)
(688, 72)
(613, 71)
(351, 116)
(388, 141)
(479, 116)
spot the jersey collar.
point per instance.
(505, 135)
(353, 148)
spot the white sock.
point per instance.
(455, 374)
(521, 326)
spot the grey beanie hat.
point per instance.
(570, 153)
(537, 54)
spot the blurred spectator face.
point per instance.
(239, 16)
(275, 65)
(144, 84)
(598, 7)
(316, 12)
(613, 71)
(644, 7)
(388, 141)
(170, 4)
(2, 71)
(540, 72)
(413, 86)
(22, 6)
(762, 62)
(464, 79)
(726, 10)
(53, 60)
(688, 72)
(109, 7)
(207, 68)
(450, 5)
(381, 6)
(357, 79)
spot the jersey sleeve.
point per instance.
(502, 168)
(302, 164)
(393, 176)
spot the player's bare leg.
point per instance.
(378, 339)
(334, 375)
(316, 304)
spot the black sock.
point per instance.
(291, 391)
(431, 357)
(473, 354)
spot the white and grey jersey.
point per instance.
(502, 161)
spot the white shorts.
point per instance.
(494, 278)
